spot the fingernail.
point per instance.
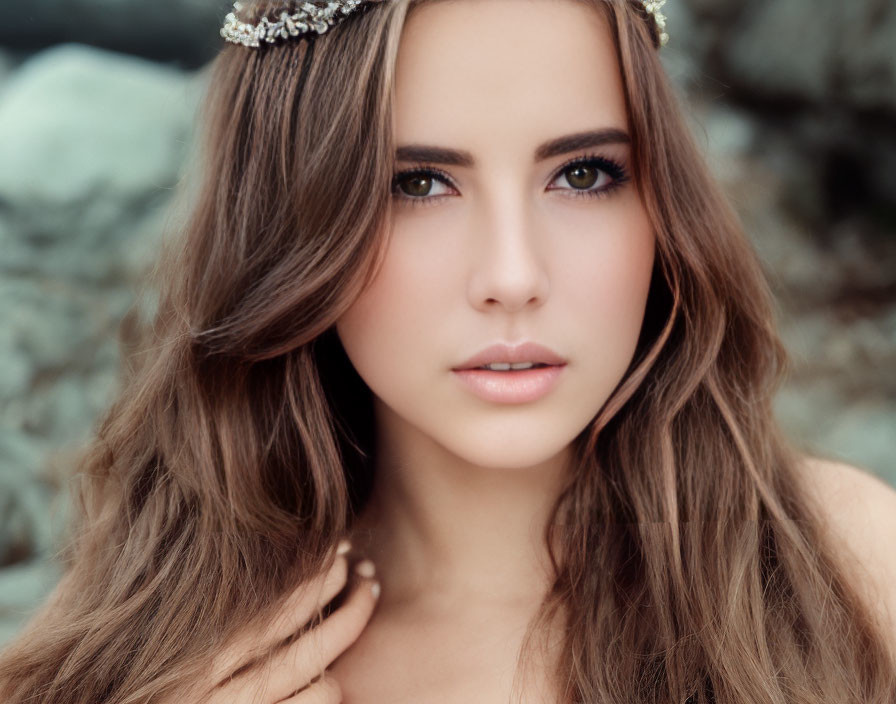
(365, 568)
(344, 546)
(375, 588)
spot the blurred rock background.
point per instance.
(795, 104)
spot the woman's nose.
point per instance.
(509, 263)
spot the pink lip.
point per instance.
(525, 352)
(520, 386)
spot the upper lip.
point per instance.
(502, 352)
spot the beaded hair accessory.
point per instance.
(320, 16)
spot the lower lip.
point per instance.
(513, 386)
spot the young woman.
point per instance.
(387, 207)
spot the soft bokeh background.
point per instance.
(793, 101)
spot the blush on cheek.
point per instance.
(614, 291)
(616, 274)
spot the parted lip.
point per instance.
(512, 354)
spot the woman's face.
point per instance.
(508, 242)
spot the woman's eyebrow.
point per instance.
(552, 148)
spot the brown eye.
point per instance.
(416, 187)
(590, 176)
(582, 176)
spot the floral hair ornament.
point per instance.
(320, 16)
(308, 17)
(653, 7)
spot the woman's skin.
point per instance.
(500, 251)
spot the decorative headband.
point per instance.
(320, 16)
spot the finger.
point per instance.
(288, 671)
(311, 654)
(325, 690)
(297, 610)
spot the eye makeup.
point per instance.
(611, 167)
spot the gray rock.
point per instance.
(91, 142)
(92, 145)
(784, 48)
(16, 369)
(867, 60)
(25, 500)
(52, 323)
(811, 50)
(54, 332)
(822, 74)
(23, 590)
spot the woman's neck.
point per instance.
(443, 531)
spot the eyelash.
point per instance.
(609, 166)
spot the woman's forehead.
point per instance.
(499, 66)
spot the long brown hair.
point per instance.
(689, 565)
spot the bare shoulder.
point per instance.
(859, 510)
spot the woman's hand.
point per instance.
(294, 666)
